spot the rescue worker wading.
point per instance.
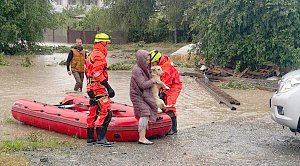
(99, 91)
(76, 60)
(172, 79)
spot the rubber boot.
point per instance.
(174, 123)
(101, 139)
(174, 126)
(90, 136)
(105, 129)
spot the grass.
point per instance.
(3, 62)
(11, 121)
(26, 62)
(63, 62)
(33, 141)
(61, 49)
(12, 160)
(238, 84)
(184, 65)
(126, 65)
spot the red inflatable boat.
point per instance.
(69, 117)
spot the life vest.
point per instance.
(96, 69)
(96, 66)
(78, 60)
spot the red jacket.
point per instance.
(171, 75)
(172, 79)
(96, 67)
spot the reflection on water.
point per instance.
(49, 82)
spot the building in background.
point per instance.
(59, 5)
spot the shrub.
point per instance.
(245, 33)
(26, 62)
(2, 59)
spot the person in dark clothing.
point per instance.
(76, 59)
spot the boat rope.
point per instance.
(41, 110)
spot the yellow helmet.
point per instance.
(155, 55)
(102, 37)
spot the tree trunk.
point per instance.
(53, 35)
(175, 36)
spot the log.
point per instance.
(242, 73)
(220, 99)
(217, 90)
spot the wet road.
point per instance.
(209, 133)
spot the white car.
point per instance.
(285, 103)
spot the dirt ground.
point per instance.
(208, 133)
(246, 136)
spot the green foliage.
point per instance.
(157, 28)
(22, 23)
(96, 19)
(63, 62)
(247, 33)
(33, 141)
(26, 62)
(126, 65)
(61, 49)
(174, 10)
(184, 65)
(149, 20)
(130, 16)
(3, 62)
(73, 11)
(10, 121)
(66, 19)
(60, 20)
(237, 84)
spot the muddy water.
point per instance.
(49, 82)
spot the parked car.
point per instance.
(285, 102)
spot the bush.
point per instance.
(247, 33)
(3, 62)
(237, 84)
(26, 62)
(126, 65)
(157, 28)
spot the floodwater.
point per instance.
(48, 82)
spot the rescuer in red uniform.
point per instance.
(99, 91)
(172, 79)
